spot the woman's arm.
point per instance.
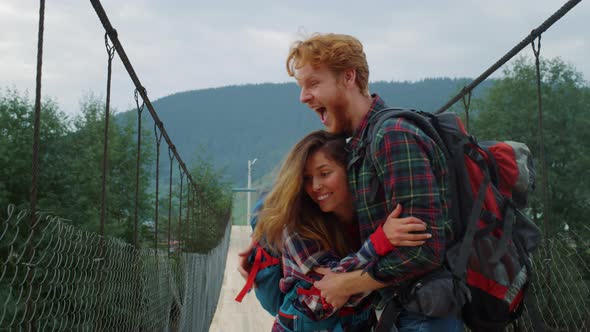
(300, 256)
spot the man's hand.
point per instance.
(401, 232)
(331, 287)
(244, 266)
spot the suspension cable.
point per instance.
(466, 104)
(110, 54)
(541, 133)
(524, 43)
(158, 141)
(180, 210)
(35, 161)
(123, 56)
(138, 159)
(171, 156)
(101, 257)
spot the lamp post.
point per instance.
(250, 164)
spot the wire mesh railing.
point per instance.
(74, 287)
(560, 291)
(55, 276)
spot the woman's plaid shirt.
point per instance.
(300, 256)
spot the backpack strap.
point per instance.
(506, 231)
(388, 317)
(425, 121)
(257, 265)
(251, 276)
(460, 264)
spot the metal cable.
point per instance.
(524, 43)
(99, 273)
(137, 169)
(110, 55)
(158, 141)
(139, 87)
(466, 105)
(171, 156)
(179, 239)
(35, 157)
(541, 135)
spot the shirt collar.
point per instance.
(377, 105)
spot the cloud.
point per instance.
(181, 45)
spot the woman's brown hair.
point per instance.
(288, 207)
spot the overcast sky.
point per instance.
(180, 45)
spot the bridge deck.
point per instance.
(231, 315)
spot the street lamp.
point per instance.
(250, 164)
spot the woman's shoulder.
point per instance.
(294, 242)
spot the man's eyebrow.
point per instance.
(305, 79)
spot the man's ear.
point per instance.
(349, 76)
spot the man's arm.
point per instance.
(394, 232)
(405, 164)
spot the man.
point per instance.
(333, 74)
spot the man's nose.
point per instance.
(304, 96)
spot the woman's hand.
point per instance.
(398, 230)
(243, 265)
(331, 288)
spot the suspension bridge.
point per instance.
(55, 276)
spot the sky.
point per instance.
(181, 45)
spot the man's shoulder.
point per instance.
(399, 127)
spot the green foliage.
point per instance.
(209, 206)
(85, 154)
(16, 149)
(509, 112)
(70, 159)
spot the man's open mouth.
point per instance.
(323, 114)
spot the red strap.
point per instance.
(268, 260)
(286, 315)
(251, 275)
(314, 291)
(346, 311)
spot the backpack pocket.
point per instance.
(438, 294)
(267, 288)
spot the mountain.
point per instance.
(230, 125)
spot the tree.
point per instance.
(70, 163)
(210, 207)
(82, 200)
(16, 149)
(509, 112)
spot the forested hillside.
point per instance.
(232, 124)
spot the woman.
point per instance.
(308, 216)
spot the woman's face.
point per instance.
(326, 183)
